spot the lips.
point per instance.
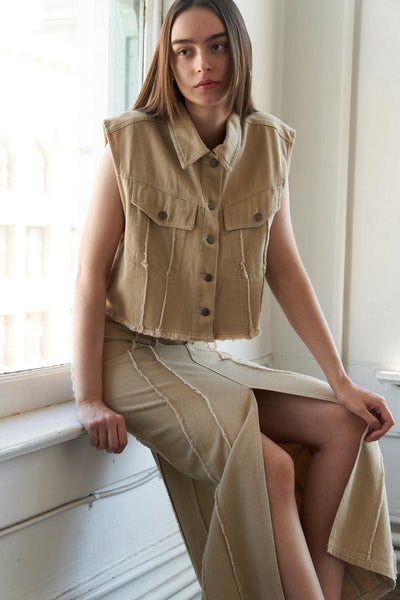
(207, 84)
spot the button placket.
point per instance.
(210, 172)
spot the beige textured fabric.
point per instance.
(190, 268)
(195, 409)
(197, 224)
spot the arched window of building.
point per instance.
(6, 166)
(42, 168)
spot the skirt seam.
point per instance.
(177, 414)
(228, 547)
(197, 391)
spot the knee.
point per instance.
(279, 468)
(346, 428)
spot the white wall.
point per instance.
(372, 331)
(315, 100)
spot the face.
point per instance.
(201, 61)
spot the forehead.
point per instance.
(197, 24)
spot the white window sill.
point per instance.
(25, 391)
(389, 377)
(37, 429)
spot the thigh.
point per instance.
(172, 406)
(297, 419)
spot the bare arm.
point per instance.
(290, 284)
(103, 228)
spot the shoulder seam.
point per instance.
(272, 125)
(127, 122)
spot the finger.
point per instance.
(102, 436)
(122, 435)
(112, 432)
(93, 435)
(384, 416)
(371, 419)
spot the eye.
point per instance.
(220, 47)
(183, 52)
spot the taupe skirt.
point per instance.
(194, 407)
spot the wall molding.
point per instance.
(136, 480)
(149, 575)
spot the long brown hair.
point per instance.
(159, 95)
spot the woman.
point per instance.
(191, 193)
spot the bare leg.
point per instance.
(335, 435)
(297, 572)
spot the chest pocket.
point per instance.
(246, 229)
(162, 223)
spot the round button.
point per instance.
(208, 277)
(210, 239)
(212, 205)
(205, 312)
(214, 162)
(258, 217)
(162, 215)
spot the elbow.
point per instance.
(289, 277)
(90, 279)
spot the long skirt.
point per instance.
(194, 407)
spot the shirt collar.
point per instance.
(190, 147)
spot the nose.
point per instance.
(203, 62)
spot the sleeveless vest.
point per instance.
(191, 262)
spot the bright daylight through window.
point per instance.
(55, 58)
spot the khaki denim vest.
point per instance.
(191, 262)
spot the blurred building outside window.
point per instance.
(68, 64)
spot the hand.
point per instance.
(369, 406)
(106, 428)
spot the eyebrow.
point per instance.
(210, 39)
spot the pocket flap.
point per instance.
(252, 211)
(164, 208)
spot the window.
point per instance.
(127, 52)
(6, 250)
(68, 65)
(5, 167)
(37, 251)
(36, 337)
(41, 162)
(74, 248)
(6, 339)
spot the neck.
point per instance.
(210, 123)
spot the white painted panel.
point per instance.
(90, 550)
(316, 92)
(374, 318)
(391, 449)
(264, 24)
